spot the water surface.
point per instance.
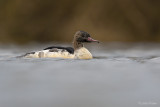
(120, 75)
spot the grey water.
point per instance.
(119, 75)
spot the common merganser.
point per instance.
(78, 52)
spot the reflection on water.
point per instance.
(120, 75)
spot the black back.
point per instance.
(69, 49)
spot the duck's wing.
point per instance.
(59, 48)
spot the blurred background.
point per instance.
(25, 21)
(124, 71)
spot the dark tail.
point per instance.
(22, 56)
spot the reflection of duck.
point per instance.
(78, 52)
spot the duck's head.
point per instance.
(83, 37)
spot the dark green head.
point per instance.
(84, 37)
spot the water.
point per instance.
(120, 75)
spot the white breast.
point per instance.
(82, 53)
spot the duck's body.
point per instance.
(81, 53)
(78, 52)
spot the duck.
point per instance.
(78, 51)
